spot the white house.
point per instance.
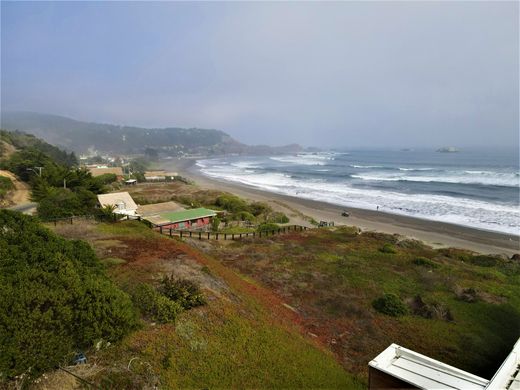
(121, 201)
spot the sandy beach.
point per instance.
(436, 234)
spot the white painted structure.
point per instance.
(422, 372)
(121, 201)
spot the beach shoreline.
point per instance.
(434, 233)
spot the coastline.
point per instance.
(436, 234)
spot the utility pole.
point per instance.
(39, 172)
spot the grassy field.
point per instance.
(463, 309)
(243, 337)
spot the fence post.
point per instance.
(160, 229)
(240, 235)
(233, 236)
(216, 236)
(191, 233)
(71, 220)
(170, 232)
(181, 233)
(225, 236)
(208, 235)
(200, 235)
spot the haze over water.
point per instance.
(470, 188)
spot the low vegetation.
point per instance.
(359, 293)
(6, 185)
(242, 336)
(55, 299)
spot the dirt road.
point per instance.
(21, 194)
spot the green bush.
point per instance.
(54, 298)
(154, 305)
(484, 261)
(278, 217)
(267, 227)
(6, 185)
(424, 262)
(61, 202)
(243, 216)
(183, 291)
(215, 224)
(387, 248)
(390, 304)
(106, 178)
(231, 203)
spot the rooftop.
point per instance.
(423, 372)
(164, 218)
(117, 198)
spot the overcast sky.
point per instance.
(344, 74)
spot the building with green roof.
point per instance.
(184, 219)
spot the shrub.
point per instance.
(231, 203)
(183, 291)
(424, 262)
(267, 227)
(106, 178)
(54, 298)
(278, 217)
(387, 248)
(154, 305)
(244, 216)
(215, 224)
(5, 185)
(484, 261)
(390, 304)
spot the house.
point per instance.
(103, 170)
(121, 201)
(400, 368)
(182, 219)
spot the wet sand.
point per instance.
(436, 234)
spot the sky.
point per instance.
(329, 74)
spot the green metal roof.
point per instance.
(187, 215)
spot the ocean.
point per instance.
(478, 189)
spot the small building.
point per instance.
(182, 219)
(121, 201)
(103, 170)
(400, 368)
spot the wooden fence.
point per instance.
(228, 236)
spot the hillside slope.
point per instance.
(80, 136)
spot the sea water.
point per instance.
(476, 188)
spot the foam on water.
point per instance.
(496, 216)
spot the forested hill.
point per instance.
(11, 141)
(79, 136)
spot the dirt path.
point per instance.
(21, 194)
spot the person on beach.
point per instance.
(377, 208)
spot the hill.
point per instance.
(175, 141)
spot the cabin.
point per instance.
(400, 368)
(193, 219)
(121, 201)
